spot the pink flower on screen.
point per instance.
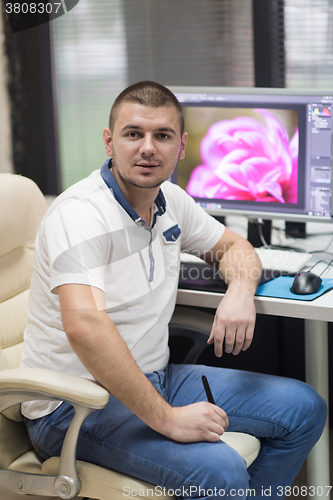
(245, 160)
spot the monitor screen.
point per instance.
(262, 153)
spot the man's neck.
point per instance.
(142, 200)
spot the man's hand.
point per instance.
(196, 422)
(240, 267)
(234, 321)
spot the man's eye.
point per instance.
(132, 135)
(164, 136)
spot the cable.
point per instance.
(309, 235)
(319, 261)
(260, 224)
(325, 250)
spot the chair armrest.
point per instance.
(19, 385)
(29, 383)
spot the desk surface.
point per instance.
(318, 309)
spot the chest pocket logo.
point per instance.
(172, 234)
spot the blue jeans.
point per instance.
(287, 415)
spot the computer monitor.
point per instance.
(260, 153)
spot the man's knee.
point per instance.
(318, 413)
(311, 409)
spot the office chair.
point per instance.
(22, 471)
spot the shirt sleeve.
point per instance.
(78, 245)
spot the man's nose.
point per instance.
(147, 145)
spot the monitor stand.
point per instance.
(293, 229)
(253, 232)
(220, 218)
(296, 229)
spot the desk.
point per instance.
(316, 315)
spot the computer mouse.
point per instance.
(305, 283)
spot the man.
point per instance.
(102, 293)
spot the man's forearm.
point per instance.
(98, 344)
(240, 268)
(241, 262)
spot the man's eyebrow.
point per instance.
(158, 129)
(136, 127)
(167, 129)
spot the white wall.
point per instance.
(6, 163)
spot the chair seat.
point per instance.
(98, 482)
(246, 445)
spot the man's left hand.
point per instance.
(234, 320)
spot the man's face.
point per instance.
(145, 144)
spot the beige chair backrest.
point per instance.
(22, 206)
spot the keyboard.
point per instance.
(196, 274)
(285, 261)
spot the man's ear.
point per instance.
(183, 146)
(107, 141)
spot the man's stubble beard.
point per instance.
(132, 182)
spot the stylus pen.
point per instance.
(207, 390)
(208, 393)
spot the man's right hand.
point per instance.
(196, 422)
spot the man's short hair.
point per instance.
(147, 93)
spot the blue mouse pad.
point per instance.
(279, 288)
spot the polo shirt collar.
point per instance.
(112, 184)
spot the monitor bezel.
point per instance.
(259, 213)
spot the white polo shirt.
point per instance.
(91, 235)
